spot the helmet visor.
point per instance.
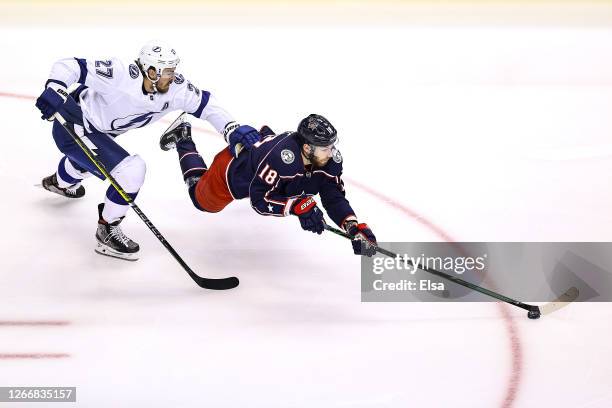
(326, 150)
(167, 73)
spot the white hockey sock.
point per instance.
(72, 172)
(113, 211)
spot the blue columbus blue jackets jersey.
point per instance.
(272, 174)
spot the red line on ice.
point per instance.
(32, 356)
(515, 343)
(16, 96)
(34, 323)
(512, 330)
(402, 208)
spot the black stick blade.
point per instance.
(216, 284)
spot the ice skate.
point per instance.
(178, 131)
(112, 241)
(73, 191)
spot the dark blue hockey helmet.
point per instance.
(317, 131)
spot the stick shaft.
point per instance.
(443, 275)
(208, 283)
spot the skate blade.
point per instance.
(54, 192)
(106, 251)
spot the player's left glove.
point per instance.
(364, 240)
(239, 137)
(311, 217)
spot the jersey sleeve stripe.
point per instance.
(203, 103)
(55, 81)
(269, 200)
(324, 172)
(83, 67)
(288, 205)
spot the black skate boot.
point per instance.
(177, 132)
(266, 131)
(112, 241)
(73, 191)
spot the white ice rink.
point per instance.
(449, 132)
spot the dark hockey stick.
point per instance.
(533, 311)
(206, 283)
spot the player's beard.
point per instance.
(163, 90)
(318, 162)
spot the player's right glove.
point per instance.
(311, 217)
(50, 101)
(364, 240)
(239, 137)
(56, 99)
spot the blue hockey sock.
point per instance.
(192, 164)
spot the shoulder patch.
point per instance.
(134, 71)
(179, 79)
(287, 156)
(337, 156)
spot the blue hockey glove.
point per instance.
(52, 101)
(364, 240)
(240, 137)
(311, 217)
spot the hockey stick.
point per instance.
(533, 311)
(206, 283)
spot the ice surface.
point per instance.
(486, 133)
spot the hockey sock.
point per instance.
(192, 164)
(69, 173)
(113, 211)
(191, 187)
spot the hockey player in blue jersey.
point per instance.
(104, 98)
(280, 174)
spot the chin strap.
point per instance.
(310, 156)
(153, 83)
(146, 75)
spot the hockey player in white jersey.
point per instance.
(104, 98)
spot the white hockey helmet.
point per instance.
(158, 55)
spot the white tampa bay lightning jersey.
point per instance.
(114, 101)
